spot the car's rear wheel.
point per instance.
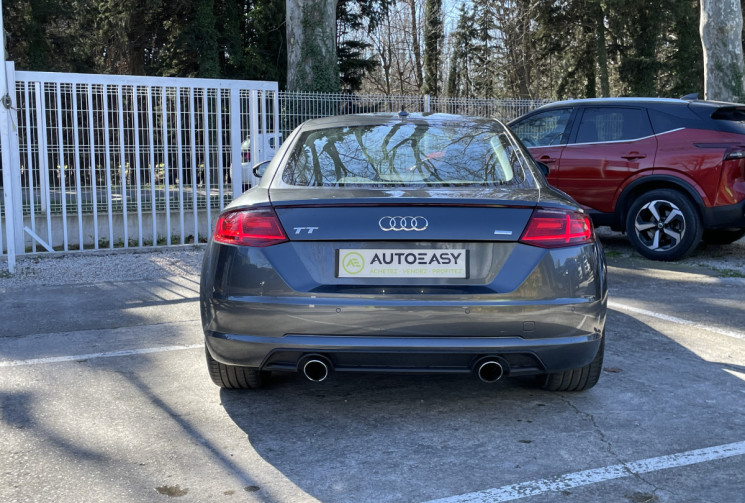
(234, 377)
(722, 236)
(579, 379)
(663, 224)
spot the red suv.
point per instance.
(668, 172)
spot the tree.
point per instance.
(483, 48)
(512, 48)
(416, 47)
(262, 42)
(46, 35)
(681, 53)
(127, 29)
(637, 26)
(515, 46)
(434, 37)
(355, 21)
(394, 45)
(459, 76)
(721, 37)
(311, 46)
(570, 50)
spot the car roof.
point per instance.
(656, 103)
(379, 119)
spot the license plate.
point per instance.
(404, 263)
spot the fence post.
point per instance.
(426, 103)
(11, 162)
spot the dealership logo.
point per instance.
(353, 263)
(403, 223)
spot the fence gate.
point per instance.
(98, 161)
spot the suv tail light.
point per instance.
(731, 188)
(556, 228)
(735, 153)
(257, 227)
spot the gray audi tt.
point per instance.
(404, 243)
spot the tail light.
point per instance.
(556, 228)
(246, 156)
(731, 188)
(735, 153)
(258, 227)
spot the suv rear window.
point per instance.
(664, 121)
(404, 154)
(612, 124)
(731, 119)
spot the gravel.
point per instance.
(716, 260)
(103, 266)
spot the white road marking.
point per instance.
(108, 354)
(587, 477)
(673, 319)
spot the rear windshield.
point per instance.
(404, 154)
(730, 119)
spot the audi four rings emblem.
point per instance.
(403, 223)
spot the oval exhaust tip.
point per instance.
(315, 370)
(490, 371)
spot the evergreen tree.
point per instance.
(264, 43)
(636, 27)
(355, 18)
(128, 30)
(682, 70)
(459, 76)
(483, 45)
(570, 41)
(50, 35)
(434, 37)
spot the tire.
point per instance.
(580, 379)
(234, 377)
(663, 224)
(722, 236)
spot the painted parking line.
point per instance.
(108, 354)
(673, 319)
(587, 477)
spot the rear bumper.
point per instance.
(725, 217)
(405, 354)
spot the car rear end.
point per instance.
(707, 144)
(389, 245)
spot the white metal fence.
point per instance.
(116, 161)
(99, 161)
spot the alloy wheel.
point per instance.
(660, 225)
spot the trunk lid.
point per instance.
(401, 215)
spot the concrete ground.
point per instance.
(104, 396)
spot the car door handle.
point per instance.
(546, 159)
(633, 155)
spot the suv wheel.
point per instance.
(663, 224)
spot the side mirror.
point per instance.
(543, 167)
(260, 168)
